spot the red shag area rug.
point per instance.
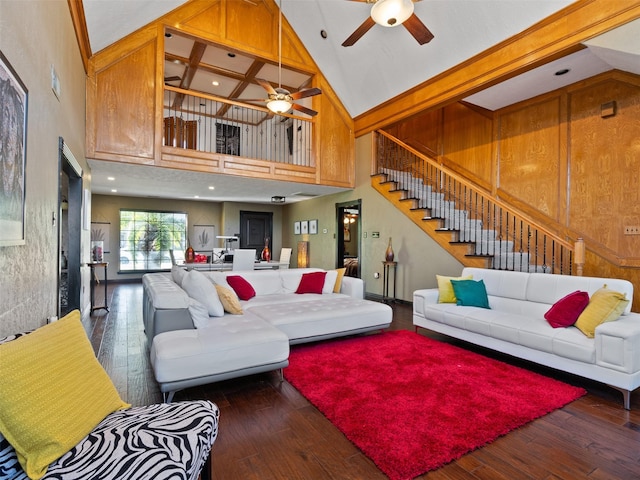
(413, 404)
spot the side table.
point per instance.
(94, 280)
(388, 268)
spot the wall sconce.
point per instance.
(580, 256)
(303, 254)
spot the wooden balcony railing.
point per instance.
(211, 124)
(492, 228)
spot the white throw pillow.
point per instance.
(200, 288)
(199, 314)
(178, 274)
(329, 281)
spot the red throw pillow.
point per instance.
(311, 282)
(566, 311)
(243, 289)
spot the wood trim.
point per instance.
(76, 9)
(554, 36)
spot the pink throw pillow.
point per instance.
(566, 311)
(311, 282)
(243, 289)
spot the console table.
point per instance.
(387, 269)
(94, 281)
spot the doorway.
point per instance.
(256, 230)
(349, 253)
(69, 230)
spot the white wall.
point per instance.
(33, 36)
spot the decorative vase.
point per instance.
(189, 255)
(266, 253)
(388, 256)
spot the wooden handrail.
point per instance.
(464, 181)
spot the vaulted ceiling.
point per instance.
(385, 62)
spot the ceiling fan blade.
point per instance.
(308, 111)
(267, 86)
(250, 99)
(172, 79)
(418, 29)
(360, 31)
(306, 92)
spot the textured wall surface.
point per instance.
(34, 36)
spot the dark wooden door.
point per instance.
(256, 228)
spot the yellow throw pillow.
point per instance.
(229, 300)
(54, 392)
(604, 306)
(338, 285)
(445, 289)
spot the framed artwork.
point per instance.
(203, 237)
(227, 139)
(100, 233)
(313, 227)
(304, 227)
(13, 154)
(296, 228)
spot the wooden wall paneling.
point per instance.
(422, 132)
(605, 162)
(335, 144)
(125, 106)
(467, 143)
(529, 154)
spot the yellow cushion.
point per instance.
(54, 392)
(229, 300)
(604, 306)
(338, 285)
(445, 289)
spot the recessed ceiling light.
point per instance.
(564, 71)
(323, 33)
(113, 190)
(211, 187)
(111, 179)
(168, 35)
(196, 196)
(231, 55)
(215, 83)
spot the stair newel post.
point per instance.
(579, 256)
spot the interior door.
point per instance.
(348, 238)
(256, 229)
(69, 230)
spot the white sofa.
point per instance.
(189, 347)
(515, 325)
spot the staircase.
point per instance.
(477, 229)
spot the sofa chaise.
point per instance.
(194, 341)
(515, 324)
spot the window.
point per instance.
(146, 238)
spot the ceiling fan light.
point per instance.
(279, 106)
(391, 13)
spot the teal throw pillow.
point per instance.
(470, 293)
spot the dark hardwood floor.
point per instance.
(269, 431)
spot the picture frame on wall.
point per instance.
(203, 237)
(296, 228)
(13, 155)
(304, 227)
(313, 227)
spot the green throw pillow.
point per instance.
(470, 293)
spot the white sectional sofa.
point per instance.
(515, 325)
(189, 347)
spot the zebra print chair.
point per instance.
(154, 442)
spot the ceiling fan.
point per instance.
(391, 13)
(280, 100)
